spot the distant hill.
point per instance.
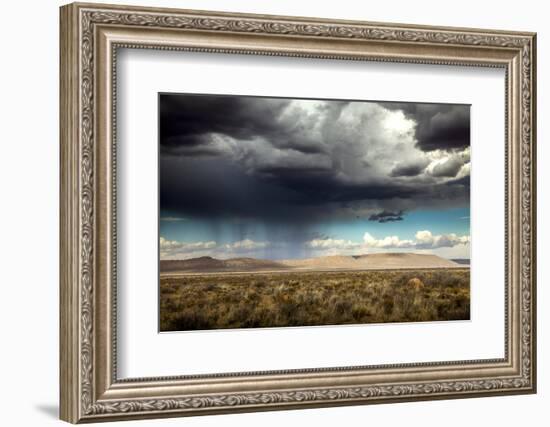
(378, 261)
(462, 261)
(373, 262)
(209, 264)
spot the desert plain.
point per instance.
(206, 293)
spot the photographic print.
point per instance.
(286, 212)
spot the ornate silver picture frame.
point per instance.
(91, 36)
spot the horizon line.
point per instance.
(313, 257)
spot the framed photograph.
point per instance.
(266, 212)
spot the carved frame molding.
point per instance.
(90, 36)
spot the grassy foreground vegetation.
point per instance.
(256, 300)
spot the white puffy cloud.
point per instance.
(424, 239)
(342, 244)
(173, 249)
(386, 242)
(170, 247)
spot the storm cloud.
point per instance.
(386, 216)
(438, 126)
(299, 161)
(411, 168)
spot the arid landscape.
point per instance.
(207, 293)
(277, 212)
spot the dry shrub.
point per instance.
(415, 283)
(254, 300)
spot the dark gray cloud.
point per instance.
(214, 187)
(288, 161)
(438, 126)
(411, 168)
(387, 216)
(188, 122)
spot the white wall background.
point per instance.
(29, 170)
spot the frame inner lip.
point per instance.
(343, 370)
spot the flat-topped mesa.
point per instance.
(373, 261)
